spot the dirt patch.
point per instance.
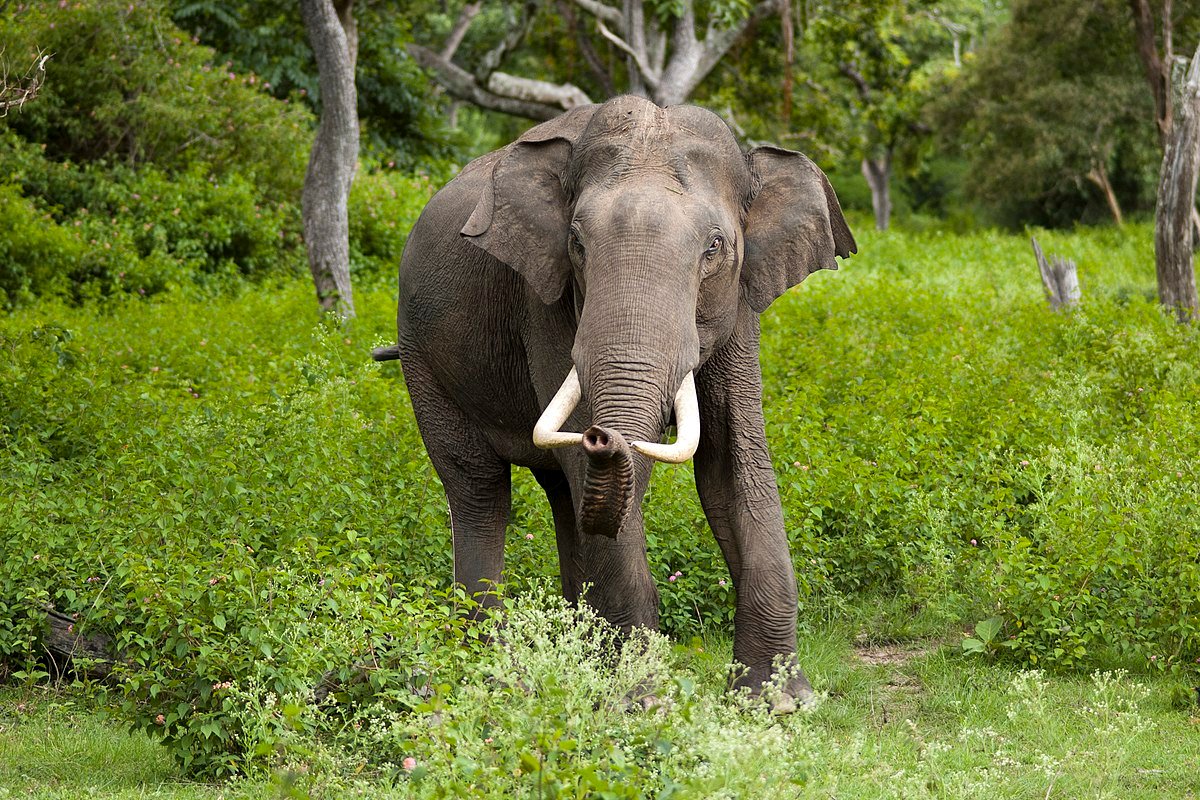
(891, 655)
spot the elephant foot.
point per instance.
(642, 698)
(784, 689)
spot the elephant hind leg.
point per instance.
(477, 481)
(562, 506)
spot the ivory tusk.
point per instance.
(687, 420)
(546, 433)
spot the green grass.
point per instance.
(239, 496)
(902, 722)
(53, 745)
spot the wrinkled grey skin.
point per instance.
(636, 244)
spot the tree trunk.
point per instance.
(334, 39)
(789, 57)
(1156, 66)
(69, 653)
(878, 172)
(1176, 201)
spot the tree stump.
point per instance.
(1059, 278)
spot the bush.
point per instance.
(242, 499)
(125, 86)
(142, 165)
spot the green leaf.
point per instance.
(988, 629)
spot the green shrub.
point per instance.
(142, 165)
(183, 474)
(126, 86)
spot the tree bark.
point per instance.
(1060, 279)
(465, 18)
(69, 653)
(789, 57)
(878, 172)
(463, 85)
(1156, 66)
(334, 39)
(1173, 252)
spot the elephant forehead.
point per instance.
(631, 139)
(647, 213)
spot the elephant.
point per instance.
(565, 299)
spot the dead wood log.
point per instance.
(71, 653)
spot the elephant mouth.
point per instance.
(548, 433)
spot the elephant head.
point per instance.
(653, 225)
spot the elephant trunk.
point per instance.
(608, 483)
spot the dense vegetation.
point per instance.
(243, 500)
(197, 466)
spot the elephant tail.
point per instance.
(389, 353)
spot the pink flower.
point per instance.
(409, 763)
(1024, 463)
(721, 582)
(529, 536)
(678, 574)
(160, 720)
(974, 543)
(673, 578)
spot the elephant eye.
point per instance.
(575, 244)
(714, 247)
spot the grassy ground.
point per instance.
(897, 721)
(940, 439)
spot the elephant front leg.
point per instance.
(736, 484)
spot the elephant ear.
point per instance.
(523, 215)
(794, 226)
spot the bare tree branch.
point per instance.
(718, 41)
(463, 85)
(856, 77)
(603, 11)
(644, 69)
(516, 34)
(567, 95)
(465, 18)
(1157, 69)
(17, 94)
(595, 64)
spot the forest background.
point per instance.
(223, 511)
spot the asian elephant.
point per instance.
(566, 298)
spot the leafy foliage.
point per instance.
(398, 110)
(1054, 95)
(246, 507)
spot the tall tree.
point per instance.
(334, 39)
(665, 49)
(1053, 116)
(1176, 220)
(882, 58)
(1174, 228)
